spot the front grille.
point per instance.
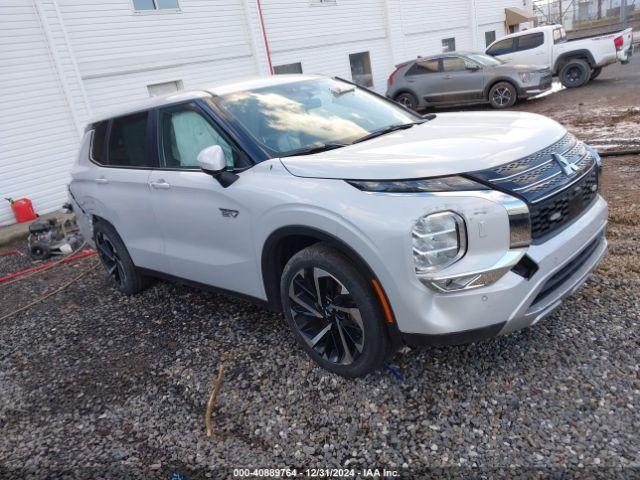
(558, 210)
(558, 182)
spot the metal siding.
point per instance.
(39, 136)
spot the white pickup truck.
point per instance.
(575, 61)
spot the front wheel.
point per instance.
(333, 312)
(502, 95)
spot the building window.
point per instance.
(489, 38)
(287, 68)
(514, 28)
(448, 45)
(361, 69)
(142, 5)
(164, 88)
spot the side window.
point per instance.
(98, 141)
(184, 133)
(423, 66)
(502, 47)
(559, 35)
(128, 141)
(453, 64)
(527, 42)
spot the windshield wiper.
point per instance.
(314, 149)
(389, 129)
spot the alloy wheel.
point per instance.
(502, 96)
(406, 101)
(574, 74)
(110, 259)
(326, 315)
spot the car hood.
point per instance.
(449, 144)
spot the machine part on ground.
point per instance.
(49, 237)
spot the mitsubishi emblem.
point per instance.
(568, 168)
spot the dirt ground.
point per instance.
(605, 113)
(96, 384)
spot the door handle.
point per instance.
(160, 185)
(101, 181)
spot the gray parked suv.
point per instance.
(464, 78)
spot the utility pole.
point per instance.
(623, 13)
(560, 12)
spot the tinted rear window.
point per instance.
(128, 141)
(423, 66)
(97, 143)
(502, 47)
(527, 42)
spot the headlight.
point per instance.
(525, 77)
(440, 184)
(438, 240)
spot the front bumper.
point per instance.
(514, 302)
(542, 86)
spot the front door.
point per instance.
(462, 81)
(206, 227)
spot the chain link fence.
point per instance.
(589, 17)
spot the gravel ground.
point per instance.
(93, 383)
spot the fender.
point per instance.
(271, 269)
(583, 52)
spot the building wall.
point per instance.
(65, 60)
(38, 127)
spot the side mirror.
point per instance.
(212, 161)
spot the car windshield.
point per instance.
(485, 60)
(306, 116)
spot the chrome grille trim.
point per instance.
(547, 180)
(540, 174)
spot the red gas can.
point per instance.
(23, 210)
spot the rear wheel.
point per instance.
(502, 95)
(575, 73)
(596, 71)
(116, 260)
(408, 100)
(333, 312)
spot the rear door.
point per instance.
(530, 49)
(206, 227)
(462, 80)
(121, 149)
(502, 49)
(422, 78)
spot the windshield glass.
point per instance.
(485, 60)
(299, 115)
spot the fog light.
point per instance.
(439, 240)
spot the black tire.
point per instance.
(575, 73)
(39, 251)
(408, 100)
(595, 72)
(502, 95)
(344, 332)
(116, 260)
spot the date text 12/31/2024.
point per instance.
(314, 473)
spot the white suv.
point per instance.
(370, 227)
